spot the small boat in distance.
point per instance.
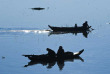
(85, 27)
(38, 8)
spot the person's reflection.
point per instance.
(60, 64)
(85, 34)
(51, 64)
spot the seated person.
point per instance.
(51, 53)
(60, 52)
(85, 25)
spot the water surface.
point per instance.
(22, 31)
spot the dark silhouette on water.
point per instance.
(85, 33)
(51, 53)
(38, 8)
(85, 29)
(51, 58)
(51, 63)
(85, 25)
(60, 52)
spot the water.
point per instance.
(24, 31)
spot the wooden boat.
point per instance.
(45, 57)
(49, 61)
(69, 29)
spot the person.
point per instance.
(60, 52)
(85, 25)
(75, 25)
(51, 53)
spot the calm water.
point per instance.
(22, 31)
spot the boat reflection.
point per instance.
(50, 64)
(85, 33)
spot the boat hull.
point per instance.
(68, 29)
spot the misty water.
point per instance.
(25, 31)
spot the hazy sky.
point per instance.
(19, 14)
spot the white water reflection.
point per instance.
(25, 31)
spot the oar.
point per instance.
(91, 27)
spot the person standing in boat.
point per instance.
(51, 53)
(60, 52)
(85, 25)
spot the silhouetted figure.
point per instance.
(75, 25)
(60, 64)
(60, 52)
(51, 64)
(51, 58)
(51, 53)
(85, 25)
(85, 34)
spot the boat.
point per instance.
(76, 28)
(38, 8)
(69, 29)
(46, 58)
(49, 61)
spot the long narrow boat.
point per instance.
(69, 29)
(45, 57)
